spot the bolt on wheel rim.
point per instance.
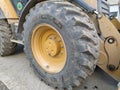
(48, 48)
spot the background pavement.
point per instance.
(17, 74)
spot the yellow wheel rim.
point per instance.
(48, 48)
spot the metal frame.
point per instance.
(9, 11)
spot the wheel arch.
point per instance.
(30, 4)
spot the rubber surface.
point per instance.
(3, 86)
(80, 38)
(6, 46)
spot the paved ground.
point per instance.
(17, 74)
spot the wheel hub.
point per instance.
(52, 46)
(48, 48)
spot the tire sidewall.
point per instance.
(34, 22)
(80, 38)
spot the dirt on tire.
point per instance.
(6, 46)
(80, 38)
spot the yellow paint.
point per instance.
(48, 48)
(113, 50)
(92, 3)
(116, 23)
(8, 10)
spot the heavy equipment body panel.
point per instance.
(109, 52)
(8, 10)
(116, 23)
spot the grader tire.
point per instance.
(76, 31)
(6, 46)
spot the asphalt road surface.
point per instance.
(17, 74)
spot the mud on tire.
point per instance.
(80, 38)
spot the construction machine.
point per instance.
(119, 86)
(63, 39)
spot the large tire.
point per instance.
(6, 46)
(80, 38)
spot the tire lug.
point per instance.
(76, 82)
(69, 88)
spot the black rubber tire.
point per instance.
(6, 46)
(80, 37)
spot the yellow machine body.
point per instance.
(9, 11)
(109, 58)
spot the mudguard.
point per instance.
(29, 5)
